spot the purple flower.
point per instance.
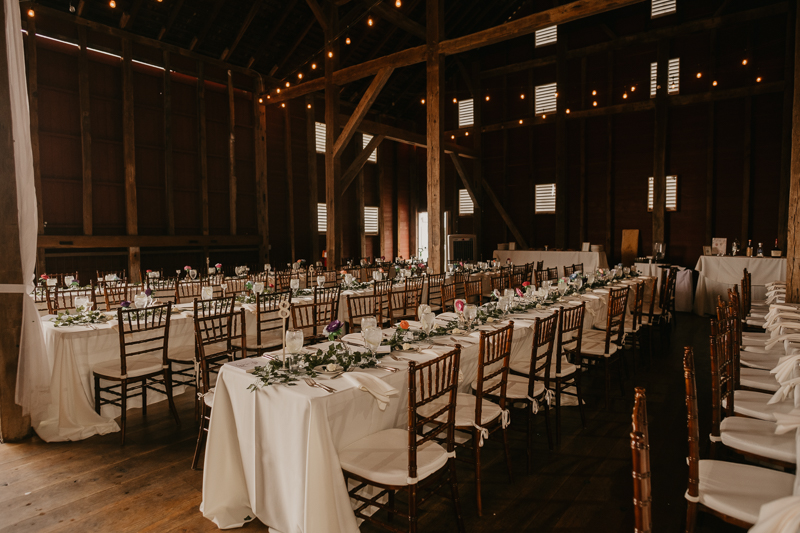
(125, 304)
(333, 327)
(148, 292)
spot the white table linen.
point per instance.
(591, 260)
(718, 274)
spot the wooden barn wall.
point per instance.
(618, 154)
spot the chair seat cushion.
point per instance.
(594, 344)
(383, 457)
(208, 398)
(764, 361)
(758, 437)
(738, 490)
(524, 367)
(516, 387)
(756, 378)
(465, 410)
(762, 336)
(754, 404)
(755, 322)
(135, 366)
(186, 354)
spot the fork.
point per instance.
(311, 383)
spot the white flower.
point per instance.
(406, 346)
(538, 306)
(490, 319)
(457, 331)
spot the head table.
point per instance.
(272, 453)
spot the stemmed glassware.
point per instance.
(377, 275)
(258, 287)
(502, 304)
(294, 284)
(348, 279)
(471, 313)
(207, 293)
(294, 344)
(82, 303)
(368, 322)
(68, 280)
(372, 338)
(193, 274)
(428, 320)
(320, 281)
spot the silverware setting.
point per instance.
(462, 341)
(387, 368)
(311, 383)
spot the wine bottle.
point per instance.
(776, 251)
(760, 250)
(749, 251)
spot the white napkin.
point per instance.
(369, 383)
(785, 370)
(791, 337)
(787, 389)
(250, 308)
(779, 516)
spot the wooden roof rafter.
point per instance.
(264, 46)
(198, 39)
(173, 14)
(254, 9)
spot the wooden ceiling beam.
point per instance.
(396, 18)
(464, 178)
(173, 14)
(228, 52)
(127, 18)
(264, 46)
(212, 17)
(297, 42)
(358, 163)
(360, 112)
(318, 14)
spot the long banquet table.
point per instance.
(272, 453)
(591, 260)
(718, 274)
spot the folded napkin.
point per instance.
(373, 385)
(250, 308)
(786, 368)
(779, 516)
(791, 337)
(447, 316)
(345, 293)
(787, 388)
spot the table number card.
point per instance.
(719, 245)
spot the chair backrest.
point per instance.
(615, 325)
(568, 270)
(746, 294)
(415, 283)
(693, 457)
(188, 290)
(460, 278)
(213, 325)
(515, 280)
(258, 276)
(650, 282)
(63, 299)
(552, 273)
(327, 304)
(577, 267)
(722, 376)
(363, 306)
(404, 302)
(116, 294)
(499, 283)
(538, 277)
(638, 302)
(434, 296)
(268, 323)
(493, 359)
(544, 337)
(59, 277)
(428, 382)
(161, 284)
(473, 291)
(570, 332)
(540, 265)
(143, 331)
(101, 275)
(234, 286)
(448, 296)
(640, 456)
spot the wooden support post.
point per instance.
(369, 97)
(660, 144)
(582, 148)
(561, 141)
(413, 216)
(169, 175)
(202, 152)
(333, 164)
(13, 425)
(232, 153)
(313, 195)
(793, 233)
(33, 102)
(381, 212)
(287, 144)
(786, 131)
(477, 164)
(260, 139)
(362, 235)
(129, 156)
(504, 162)
(747, 172)
(86, 131)
(358, 163)
(435, 125)
(505, 216)
(609, 244)
(711, 160)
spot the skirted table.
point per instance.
(718, 274)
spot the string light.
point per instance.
(758, 79)
(283, 105)
(699, 74)
(452, 136)
(714, 83)
(744, 61)
(313, 66)
(556, 95)
(398, 3)
(288, 84)
(279, 90)
(567, 111)
(422, 101)
(520, 121)
(594, 93)
(487, 97)
(544, 116)
(625, 95)
(467, 134)
(330, 54)
(31, 13)
(455, 100)
(633, 88)
(260, 100)
(370, 22)
(522, 96)
(594, 103)
(112, 4)
(268, 97)
(299, 75)
(309, 106)
(347, 40)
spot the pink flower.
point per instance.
(526, 283)
(218, 265)
(44, 276)
(187, 267)
(148, 271)
(519, 292)
(459, 305)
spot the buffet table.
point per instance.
(591, 260)
(718, 274)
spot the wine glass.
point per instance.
(428, 319)
(268, 268)
(207, 293)
(140, 300)
(368, 322)
(471, 313)
(320, 281)
(294, 343)
(81, 302)
(372, 338)
(193, 274)
(376, 275)
(294, 283)
(258, 288)
(502, 303)
(578, 283)
(626, 271)
(295, 266)
(68, 280)
(348, 279)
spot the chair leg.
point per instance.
(454, 493)
(530, 419)
(547, 425)
(621, 363)
(608, 383)
(124, 403)
(508, 456)
(170, 399)
(559, 386)
(144, 397)
(412, 508)
(475, 440)
(390, 517)
(97, 394)
(691, 516)
(201, 438)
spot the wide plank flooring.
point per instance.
(147, 485)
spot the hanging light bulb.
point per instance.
(487, 97)
(278, 90)
(313, 66)
(633, 88)
(370, 22)
(594, 93)
(112, 4)
(31, 13)
(288, 84)
(520, 121)
(398, 3)
(455, 100)
(283, 105)
(699, 75)
(330, 54)
(299, 75)
(452, 136)
(347, 40)
(423, 101)
(594, 103)
(268, 97)
(260, 100)
(544, 116)
(567, 111)
(758, 79)
(309, 106)
(522, 96)
(556, 95)
(467, 134)
(624, 95)
(744, 61)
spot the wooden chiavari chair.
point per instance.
(434, 296)
(403, 304)
(529, 269)
(640, 452)
(370, 271)
(116, 294)
(163, 288)
(448, 297)
(564, 374)
(119, 275)
(607, 345)
(312, 317)
(568, 270)
(499, 283)
(63, 300)
(59, 277)
(188, 290)
(634, 321)
(358, 307)
(540, 265)
(213, 329)
(515, 280)
(234, 287)
(459, 279)
(419, 457)
(415, 283)
(752, 438)
(747, 378)
(473, 291)
(552, 273)
(382, 289)
(143, 348)
(577, 267)
(269, 325)
(730, 491)
(477, 415)
(260, 277)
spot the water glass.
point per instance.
(376, 275)
(471, 313)
(348, 279)
(140, 300)
(428, 320)
(294, 283)
(207, 293)
(320, 281)
(68, 280)
(193, 274)
(372, 338)
(502, 303)
(258, 288)
(295, 266)
(82, 301)
(368, 322)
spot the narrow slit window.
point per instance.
(546, 36)
(319, 128)
(322, 218)
(545, 98)
(465, 205)
(672, 193)
(673, 77)
(373, 157)
(371, 220)
(659, 8)
(466, 113)
(545, 198)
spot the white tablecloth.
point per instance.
(718, 274)
(683, 283)
(591, 260)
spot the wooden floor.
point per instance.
(97, 485)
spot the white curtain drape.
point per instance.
(33, 372)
